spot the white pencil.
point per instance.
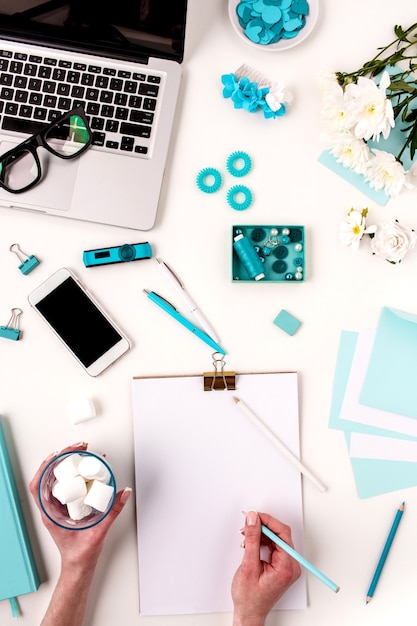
(278, 443)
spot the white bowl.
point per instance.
(282, 44)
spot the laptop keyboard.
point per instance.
(120, 105)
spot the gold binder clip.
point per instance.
(219, 379)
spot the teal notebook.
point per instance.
(18, 573)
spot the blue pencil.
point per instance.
(297, 557)
(385, 552)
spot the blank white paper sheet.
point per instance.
(199, 462)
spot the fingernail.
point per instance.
(242, 545)
(125, 495)
(251, 518)
(242, 531)
(80, 444)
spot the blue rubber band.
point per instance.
(233, 192)
(231, 163)
(202, 177)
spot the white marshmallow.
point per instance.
(70, 489)
(77, 509)
(99, 495)
(92, 468)
(81, 409)
(68, 467)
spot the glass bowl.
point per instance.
(281, 44)
(57, 512)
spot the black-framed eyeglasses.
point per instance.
(67, 137)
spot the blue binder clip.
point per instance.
(27, 263)
(11, 331)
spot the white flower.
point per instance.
(393, 241)
(354, 227)
(335, 106)
(277, 96)
(385, 172)
(369, 107)
(327, 80)
(411, 177)
(348, 150)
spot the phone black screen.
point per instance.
(78, 322)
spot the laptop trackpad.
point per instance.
(55, 189)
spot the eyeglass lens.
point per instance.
(19, 170)
(68, 137)
(65, 139)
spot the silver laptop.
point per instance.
(120, 61)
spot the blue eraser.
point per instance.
(287, 322)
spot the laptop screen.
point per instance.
(128, 29)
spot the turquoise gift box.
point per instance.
(268, 253)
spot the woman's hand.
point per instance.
(257, 584)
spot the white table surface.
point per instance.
(344, 290)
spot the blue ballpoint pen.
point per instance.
(171, 310)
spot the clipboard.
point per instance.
(198, 463)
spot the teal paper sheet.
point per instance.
(372, 477)
(390, 381)
(357, 180)
(18, 573)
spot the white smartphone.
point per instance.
(79, 321)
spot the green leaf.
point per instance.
(402, 85)
(413, 144)
(402, 106)
(412, 116)
(399, 31)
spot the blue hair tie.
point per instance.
(232, 161)
(233, 192)
(203, 177)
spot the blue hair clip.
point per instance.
(251, 91)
